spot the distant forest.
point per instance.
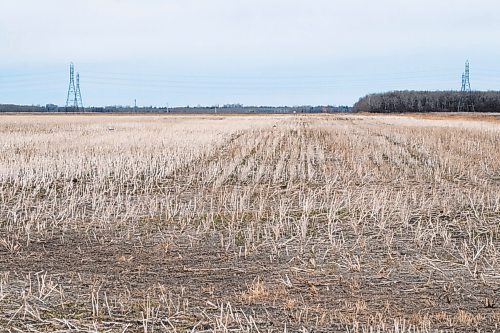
(429, 101)
(227, 109)
(389, 102)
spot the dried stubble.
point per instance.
(224, 223)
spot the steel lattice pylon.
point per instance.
(74, 98)
(466, 102)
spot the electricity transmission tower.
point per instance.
(74, 99)
(466, 103)
(79, 101)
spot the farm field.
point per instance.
(317, 223)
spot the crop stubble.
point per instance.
(249, 223)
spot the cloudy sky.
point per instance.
(255, 52)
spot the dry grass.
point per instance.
(489, 117)
(249, 224)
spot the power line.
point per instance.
(74, 99)
(78, 92)
(466, 103)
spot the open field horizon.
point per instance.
(250, 223)
(478, 116)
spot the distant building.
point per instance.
(51, 108)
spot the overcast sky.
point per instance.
(255, 52)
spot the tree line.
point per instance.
(229, 108)
(429, 101)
